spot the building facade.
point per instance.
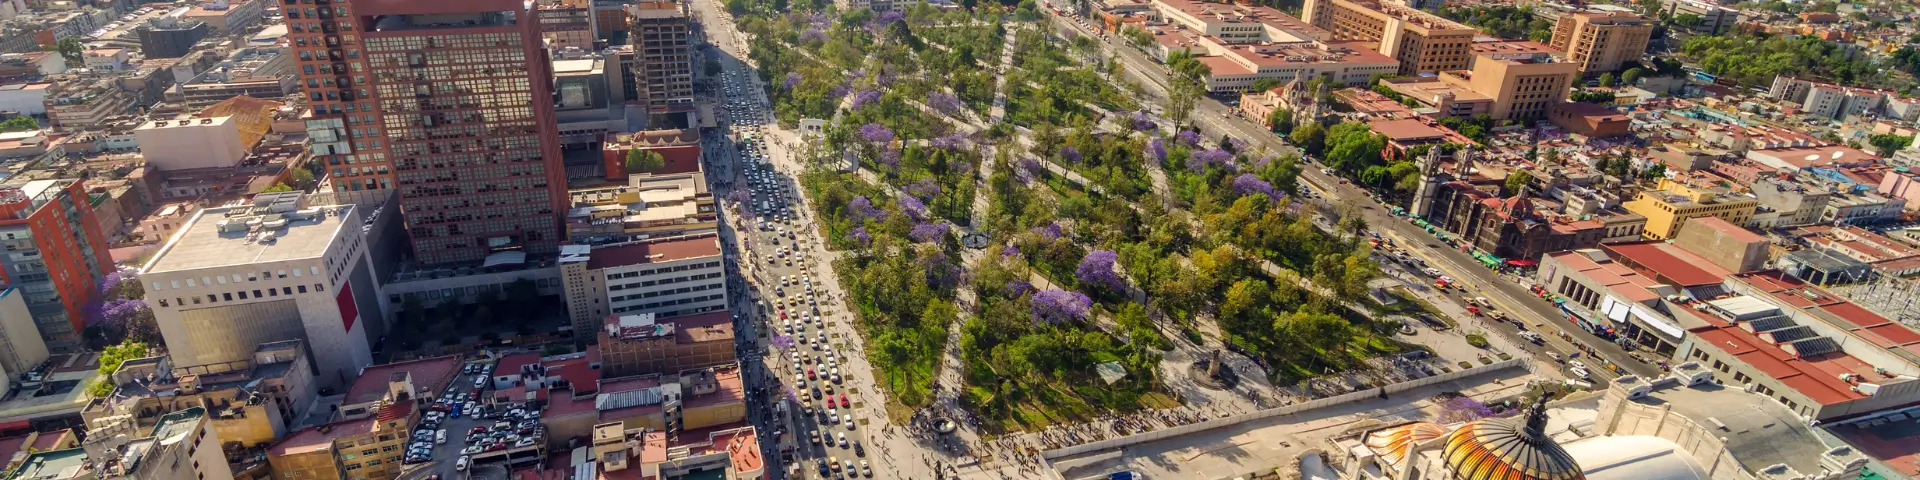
(56, 254)
(667, 277)
(646, 344)
(273, 270)
(1602, 42)
(1673, 204)
(1420, 41)
(662, 39)
(450, 111)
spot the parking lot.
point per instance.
(482, 434)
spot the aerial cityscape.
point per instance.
(959, 239)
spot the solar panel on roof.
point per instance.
(1814, 346)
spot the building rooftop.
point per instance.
(1759, 433)
(54, 465)
(1838, 312)
(429, 374)
(259, 232)
(655, 251)
(320, 438)
(1667, 263)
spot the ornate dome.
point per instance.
(1508, 449)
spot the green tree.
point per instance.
(70, 48)
(1281, 121)
(277, 187)
(1888, 143)
(737, 7)
(1656, 171)
(19, 124)
(713, 67)
(301, 179)
(1136, 36)
(1311, 138)
(1264, 84)
(639, 160)
(1517, 181)
(1632, 76)
(1606, 80)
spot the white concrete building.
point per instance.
(26, 98)
(191, 143)
(668, 277)
(275, 269)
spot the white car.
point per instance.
(462, 464)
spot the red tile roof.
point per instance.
(652, 252)
(1666, 263)
(12, 445)
(510, 365)
(49, 441)
(1803, 375)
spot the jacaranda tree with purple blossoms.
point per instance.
(1096, 269)
(1055, 306)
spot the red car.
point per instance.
(810, 375)
(844, 403)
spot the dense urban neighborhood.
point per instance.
(959, 239)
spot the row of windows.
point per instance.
(677, 291)
(229, 296)
(650, 283)
(677, 268)
(668, 303)
(237, 278)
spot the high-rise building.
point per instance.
(170, 37)
(451, 104)
(567, 23)
(1601, 41)
(662, 39)
(278, 269)
(1421, 41)
(57, 254)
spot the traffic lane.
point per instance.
(1506, 294)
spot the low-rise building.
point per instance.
(365, 448)
(1673, 204)
(649, 206)
(190, 143)
(643, 344)
(621, 452)
(421, 378)
(80, 102)
(227, 17)
(180, 446)
(251, 403)
(1589, 119)
(21, 348)
(668, 277)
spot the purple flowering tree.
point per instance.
(1071, 154)
(1143, 121)
(1027, 170)
(1016, 288)
(913, 207)
(861, 208)
(1238, 145)
(942, 272)
(925, 189)
(838, 91)
(1158, 150)
(948, 142)
(876, 133)
(1189, 138)
(1010, 252)
(792, 79)
(861, 237)
(889, 17)
(782, 342)
(943, 102)
(890, 158)
(1055, 306)
(929, 232)
(1199, 161)
(1097, 269)
(1462, 409)
(865, 97)
(813, 35)
(1050, 231)
(1247, 184)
